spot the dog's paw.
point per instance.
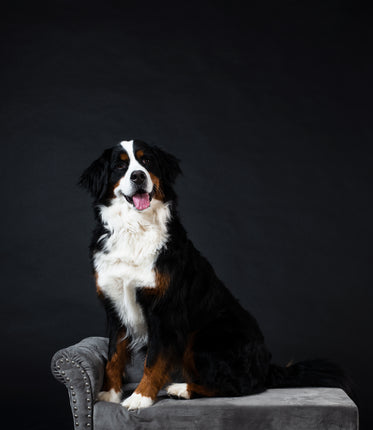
(137, 401)
(109, 396)
(178, 390)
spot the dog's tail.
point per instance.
(312, 373)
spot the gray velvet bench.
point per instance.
(81, 369)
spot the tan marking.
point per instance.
(154, 378)
(115, 186)
(123, 156)
(158, 190)
(139, 153)
(162, 281)
(112, 194)
(115, 367)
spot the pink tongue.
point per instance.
(141, 201)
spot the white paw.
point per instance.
(109, 396)
(137, 401)
(179, 390)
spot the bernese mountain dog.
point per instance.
(162, 295)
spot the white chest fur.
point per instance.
(127, 260)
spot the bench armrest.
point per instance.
(80, 368)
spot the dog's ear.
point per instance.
(169, 164)
(95, 178)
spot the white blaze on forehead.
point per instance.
(127, 145)
(125, 184)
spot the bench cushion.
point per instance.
(275, 409)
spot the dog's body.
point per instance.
(162, 295)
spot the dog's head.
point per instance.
(133, 171)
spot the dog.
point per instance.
(162, 295)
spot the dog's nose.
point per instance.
(138, 177)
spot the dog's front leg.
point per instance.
(118, 357)
(154, 378)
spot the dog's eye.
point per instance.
(146, 161)
(122, 165)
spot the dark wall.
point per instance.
(269, 109)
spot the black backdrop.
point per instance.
(269, 109)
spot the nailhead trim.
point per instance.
(72, 363)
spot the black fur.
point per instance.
(114, 324)
(230, 356)
(96, 177)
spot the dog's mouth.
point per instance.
(141, 200)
